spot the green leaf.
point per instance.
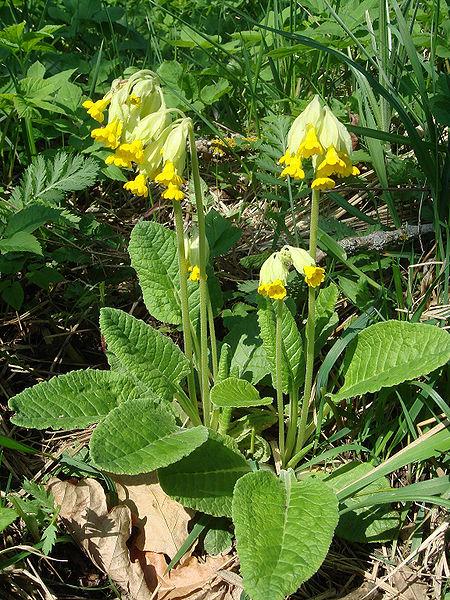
(283, 531)
(364, 525)
(293, 365)
(153, 255)
(21, 242)
(211, 93)
(31, 218)
(326, 317)
(72, 401)
(139, 436)
(218, 538)
(7, 516)
(237, 393)
(386, 354)
(145, 353)
(205, 479)
(13, 294)
(221, 234)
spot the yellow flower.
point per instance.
(293, 166)
(96, 109)
(127, 153)
(310, 145)
(134, 99)
(194, 273)
(169, 175)
(173, 192)
(314, 276)
(322, 183)
(296, 257)
(137, 186)
(311, 117)
(333, 164)
(272, 277)
(109, 136)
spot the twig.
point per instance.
(379, 240)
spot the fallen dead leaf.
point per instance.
(194, 579)
(102, 534)
(367, 591)
(409, 585)
(162, 522)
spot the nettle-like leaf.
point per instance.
(148, 355)
(389, 353)
(72, 401)
(283, 528)
(293, 365)
(205, 479)
(140, 436)
(237, 393)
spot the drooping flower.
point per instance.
(96, 109)
(109, 135)
(304, 264)
(273, 277)
(137, 186)
(316, 133)
(192, 250)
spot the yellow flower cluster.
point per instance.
(141, 131)
(316, 133)
(275, 270)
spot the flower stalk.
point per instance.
(183, 270)
(279, 375)
(204, 365)
(310, 325)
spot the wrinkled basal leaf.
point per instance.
(205, 479)
(102, 534)
(148, 355)
(139, 437)
(283, 528)
(72, 401)
(162, 522)
(237, 393)
(389, 353)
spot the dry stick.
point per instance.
(379, 240)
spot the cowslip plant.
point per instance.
(185, 413)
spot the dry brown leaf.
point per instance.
(194, 579)
(102, 534)
(163, 522)
(408, 583)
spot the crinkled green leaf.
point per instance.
(236, 393)
(293, 365)
(7, 516)
(21, 242)
(205, 479)
(72, 401)
(386, 354)
(140, 436)
(145, 353)
(283, 531)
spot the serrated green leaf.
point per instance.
(31, 218)
(7, 516)
(21, 242)
(153, 255)
(139, 436)
(283, 531)
(386, 354)
(221, 234)
(293, 365)
(237, 393)
(72, 401)
(205, 479)
(145, 353)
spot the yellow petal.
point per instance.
(314, 276)
(322, 183)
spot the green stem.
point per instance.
(213, 340)
(183, 270)
(293, 422)
(310, 326)
(204, 366)
(279, 376)
(224, 419)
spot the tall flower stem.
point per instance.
(186, 323)
(310, 325)
(279, 375)
(204, 366)
(213, 340)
